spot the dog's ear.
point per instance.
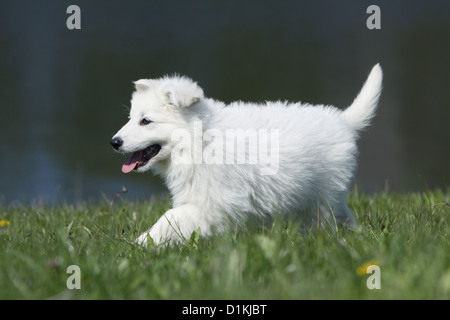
(144, 84)
(183, 92)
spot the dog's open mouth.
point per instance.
(140, 158)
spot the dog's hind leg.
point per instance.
(342, 212)
(336, 214)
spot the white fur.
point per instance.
(316, 157)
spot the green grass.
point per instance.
(407, 235)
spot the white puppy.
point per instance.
(226, 165)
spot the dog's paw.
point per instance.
(144, 239)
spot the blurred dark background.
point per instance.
(64, 93)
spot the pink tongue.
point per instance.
(132, 163)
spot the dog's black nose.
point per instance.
(116, 143)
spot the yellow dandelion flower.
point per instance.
(362, 269)
(4, 223)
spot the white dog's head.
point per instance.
(157, 110)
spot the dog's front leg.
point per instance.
(175, 226)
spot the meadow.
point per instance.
(405, 235)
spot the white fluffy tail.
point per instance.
(362, 110)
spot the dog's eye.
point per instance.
(145, 121)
